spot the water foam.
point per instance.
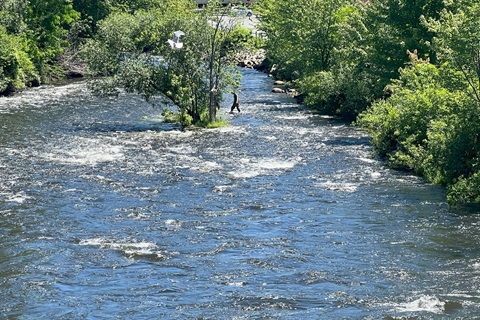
(231, 129)
(274, 164)
(87, 151)
(251, 168)
(422, 304)
(173, 224)
(130, 249)
(295, 117)
(37, 97)
(181, 149)
(18, 198)
(206, 166)
(339, 186)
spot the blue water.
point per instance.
(106, 213)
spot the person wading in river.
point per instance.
(236, 103)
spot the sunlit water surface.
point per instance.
(106, 213)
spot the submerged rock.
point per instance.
(278, 90)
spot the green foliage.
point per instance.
(395, 26)
(127, 45)
(113, 43)
(170, 117)
(323, 50)
(33, 35)
(466, 190)
(16, 68)
(91, 12)
(302, 34)
(218, 124)
(355, 86)
(48, 23)
(458, 41)
(344, 53)
(240, 38)
(12, 16)
(335, 93)
(430, 125)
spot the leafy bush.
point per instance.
(430, 125)
(16, 68)
(343, 91)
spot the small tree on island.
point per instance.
(130, 52)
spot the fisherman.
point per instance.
(236, 103)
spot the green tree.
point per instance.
(345, 88)
(16, 68)
(47, 31)
(429, 125)
(321, 45)
(367, 43)
(395, 26)
(302, 34)
(130, 51)
(91, 11)
(12, 16)
(458, 41)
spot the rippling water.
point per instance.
(106, 213)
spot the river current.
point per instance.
(107, 213)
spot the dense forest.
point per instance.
(408, 71)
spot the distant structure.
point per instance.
(175, 42)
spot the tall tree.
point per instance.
(91, 12)
(395, 26)
(33, 34)
(16, 68)
(131, 51)
(12, 16)
(302, 34)
(47, 30)
(458, 41)
(320, 44)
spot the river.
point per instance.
(106, 213)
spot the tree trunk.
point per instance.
(213, 107)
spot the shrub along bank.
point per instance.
(406, 71)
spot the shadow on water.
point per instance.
(465, 209)
(348, 141)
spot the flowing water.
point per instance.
(106, 213)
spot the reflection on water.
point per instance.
(107, 213)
